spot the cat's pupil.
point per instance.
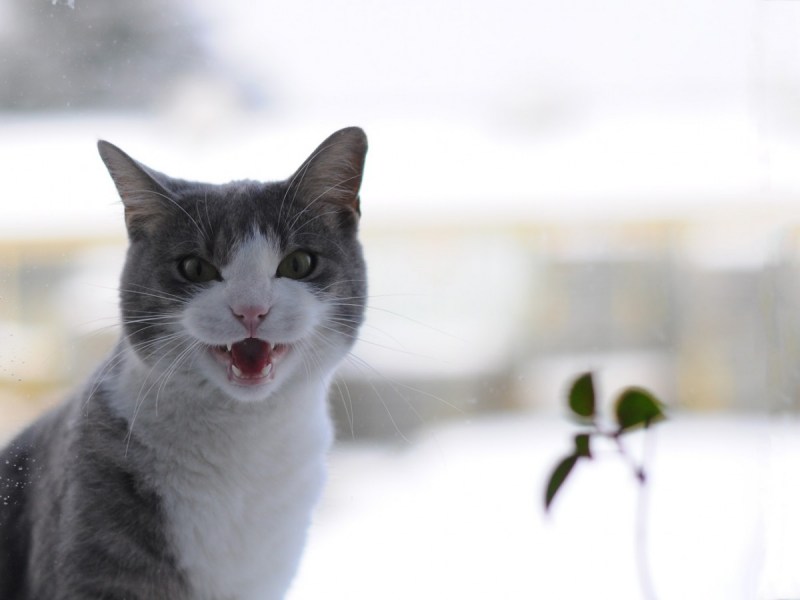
(297, 265)
(197, 270)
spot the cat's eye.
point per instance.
(197, 270)
(297, 265)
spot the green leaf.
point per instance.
(558, 478)
(637, 407)
(581, 396)
(582, 447)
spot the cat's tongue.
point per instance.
(251, 357)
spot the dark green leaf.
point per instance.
(557, 479)
(582, 448)
(636, 407)
(581, 396)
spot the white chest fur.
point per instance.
(239, 483)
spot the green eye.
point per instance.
(197, 270)
(297, 265)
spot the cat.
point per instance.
(188, 466)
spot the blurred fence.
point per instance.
(477, 318)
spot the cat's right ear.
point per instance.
(332, 174)
(144, 197)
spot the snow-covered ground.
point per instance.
(458, 514)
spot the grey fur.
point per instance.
(84, 520)
(80, 514)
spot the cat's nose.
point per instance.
(250, 316)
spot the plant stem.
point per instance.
(642, 512)
(638, 470)
(642, 551)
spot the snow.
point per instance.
(458, 514)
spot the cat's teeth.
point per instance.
(229, 345)
(266, 370)
(236, 370)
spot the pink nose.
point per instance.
(250, 316)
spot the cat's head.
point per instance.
(244, 285)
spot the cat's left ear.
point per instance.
(333, 173)
(143, 191)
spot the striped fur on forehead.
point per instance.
(216, 220)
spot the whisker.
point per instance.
(156, 290)
(383, 401)
(153, 295)
(143, 394)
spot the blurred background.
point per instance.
(550, 188)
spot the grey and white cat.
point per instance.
(188, 466)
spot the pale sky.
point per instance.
(453, 52)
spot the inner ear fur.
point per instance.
(145, 197)
(333, 172)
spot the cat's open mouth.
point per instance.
(250, 361)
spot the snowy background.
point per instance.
(550, 187)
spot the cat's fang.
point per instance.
(266, 370)
(236, 371)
